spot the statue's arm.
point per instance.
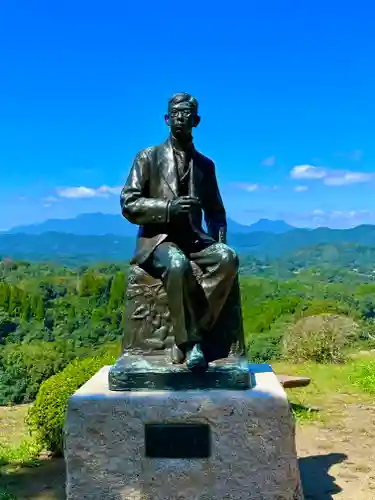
(214, 211)
(137, 207)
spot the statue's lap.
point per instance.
(148, 326)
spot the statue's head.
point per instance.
(182, 114)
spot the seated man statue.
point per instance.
(167, 188)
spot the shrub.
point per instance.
(363, 376)
(264, 347)
(26, 454)
(321, 339)
(267, 346)
(46, 417)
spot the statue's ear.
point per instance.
(197, 121)
(166, 119)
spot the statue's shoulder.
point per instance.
(204, 161)
(146, 154)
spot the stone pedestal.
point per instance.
(240, 443)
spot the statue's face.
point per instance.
(181, 118)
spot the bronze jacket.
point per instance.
(153, 183)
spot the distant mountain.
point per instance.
(83, 248)
(99, 224)
(269, 226)
(66, 248)
(94, 224)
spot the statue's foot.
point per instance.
(195, 359)
(177, 355)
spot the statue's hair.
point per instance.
(183, 97)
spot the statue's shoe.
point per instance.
(195, 359)
(177, 355)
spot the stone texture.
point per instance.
(253, 447)
(152, 372)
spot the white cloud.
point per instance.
(348, 214)
(300, 189)
(109, 190)
(339, 218)
(330, 177)
(318, 217)
(246, 186)
(269, 162)
(343, 178)
(252, 187)
(317, 212)
(77, 192)
(87, 192)
(308, 172)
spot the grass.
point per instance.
(12, 426)
(305, 413)
(331, 386)
(17, 449)
(363, 376)
(25, 454)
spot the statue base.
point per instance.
(141, 372)
(169, 445)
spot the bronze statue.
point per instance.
(166, 191)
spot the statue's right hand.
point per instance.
(183, 205)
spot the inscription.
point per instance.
(177, 441)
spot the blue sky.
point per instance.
(286, 93)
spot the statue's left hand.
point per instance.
(183, 205)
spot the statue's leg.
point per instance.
(219, 264)
(185, 296)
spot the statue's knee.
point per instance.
(178, 263)
(229, 259)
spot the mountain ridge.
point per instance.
(100, 224)
(110, 247)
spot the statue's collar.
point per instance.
(177, 145)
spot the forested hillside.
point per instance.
(331, 262)
(50, 314)
(274, 255)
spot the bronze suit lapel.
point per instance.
(168, 168)
(195, 175)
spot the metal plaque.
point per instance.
(177, 440)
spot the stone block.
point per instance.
(116, 442)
